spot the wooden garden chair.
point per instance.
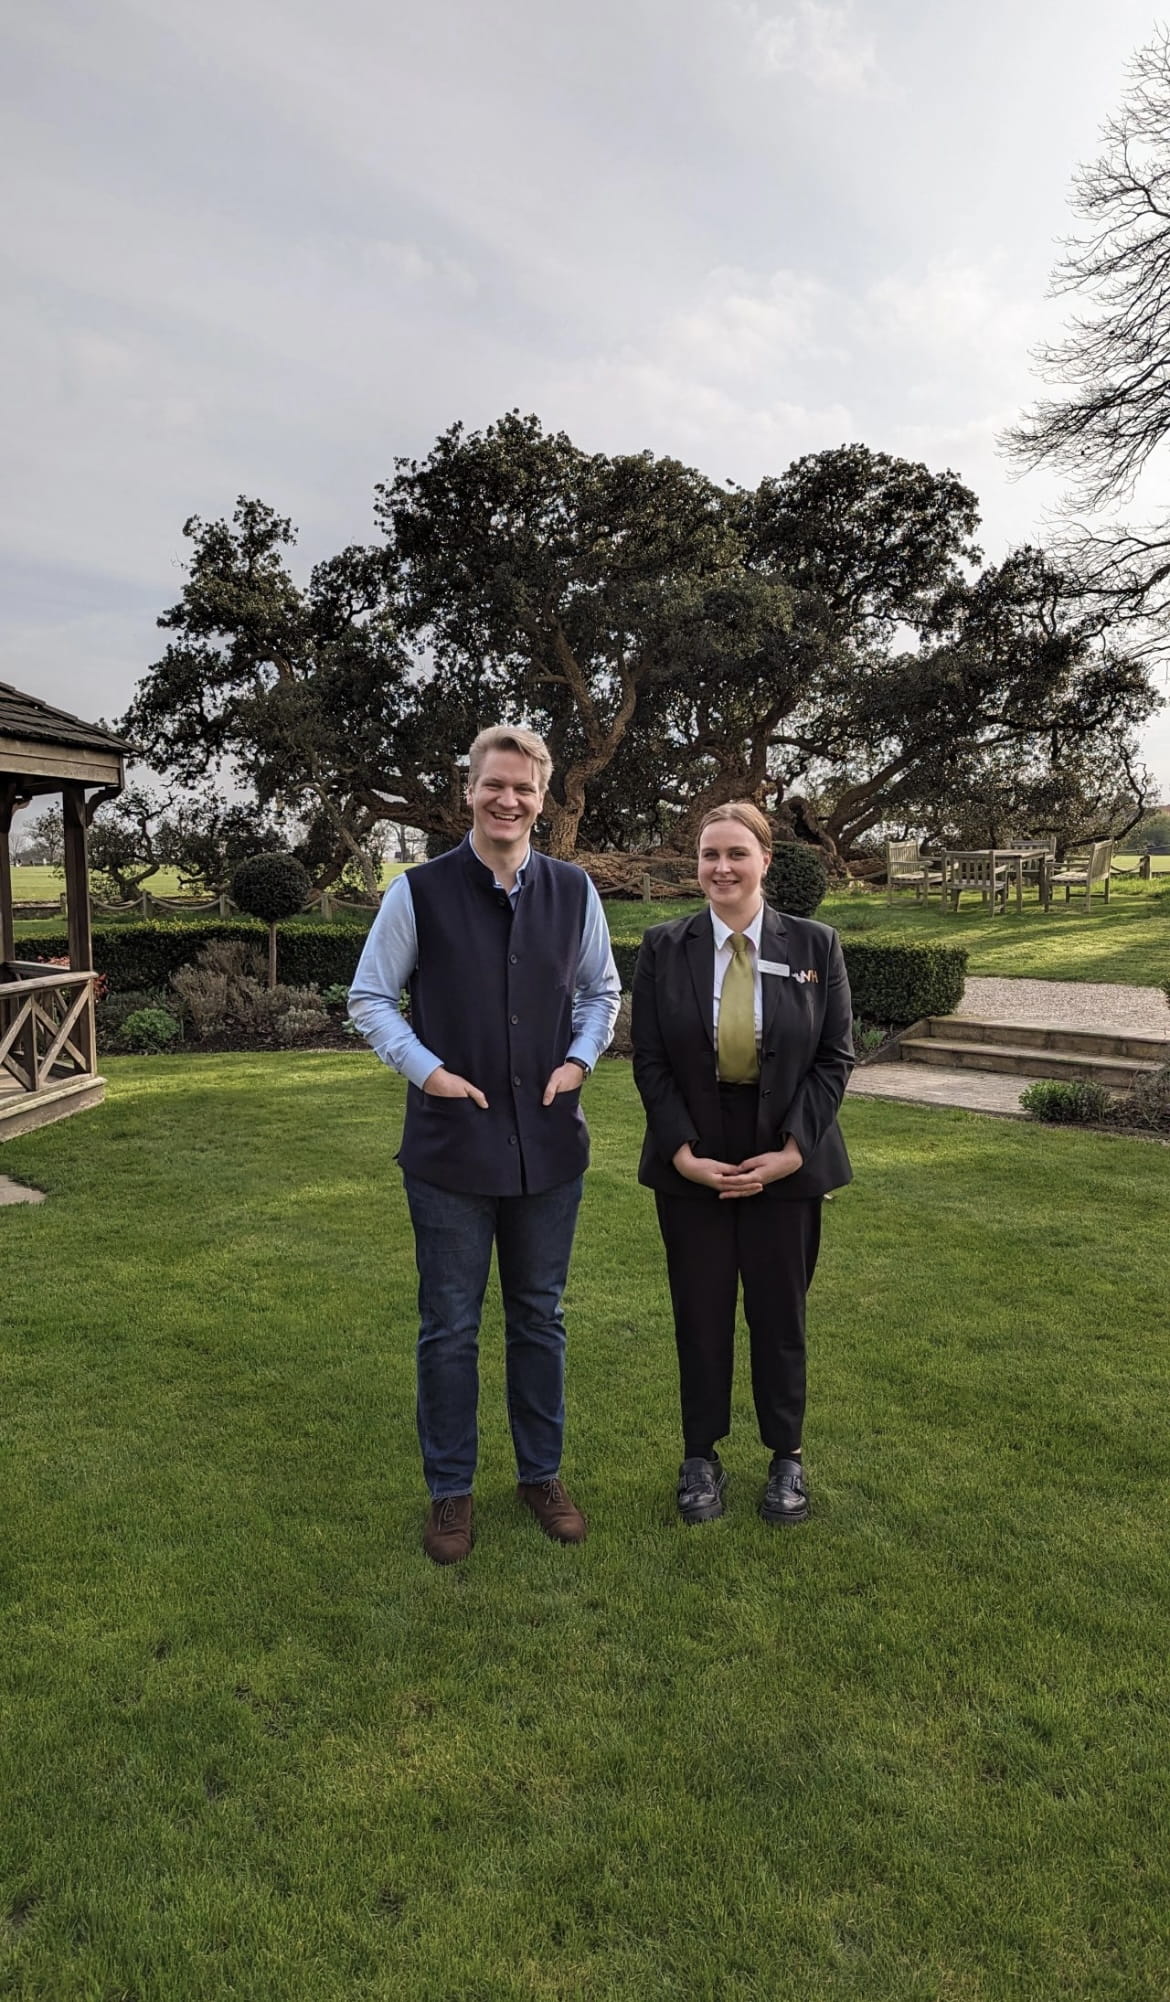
(1087, 872)
(907, 868)
(976, 869)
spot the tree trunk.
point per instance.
(795, 819)
(563, 825)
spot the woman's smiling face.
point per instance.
(732, 867)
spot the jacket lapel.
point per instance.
(773, 945)
(700, 944)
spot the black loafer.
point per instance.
(785, 1497)
(700, 1490)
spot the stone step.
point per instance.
(1149, 1050)
(1025, 1060)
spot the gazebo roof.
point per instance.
(26, 717)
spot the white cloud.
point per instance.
(744, 324)
(819, 42)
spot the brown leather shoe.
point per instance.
(448, 1532)
(557, 1515)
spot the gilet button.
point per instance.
(515, 1080)
(511, 1139)
(512, 958)
(513, 1019)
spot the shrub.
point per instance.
(868, 1036)
(113, 1009)
(898, 982)
(223, 987)
(622, 1044)
(625, 957)
(145, 955)
(1148, 1103)
(300, 1024)
(797, 879)
(203, 994)
(100, 985)
(148, 1030)
(1067, 1101)
(335, 996)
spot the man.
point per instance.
(513, 997)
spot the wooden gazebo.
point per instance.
(48, 1052)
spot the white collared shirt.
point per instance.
(723, 959)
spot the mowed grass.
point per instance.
(253, 1745)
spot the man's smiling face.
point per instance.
(505, 799)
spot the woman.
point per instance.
(742, 1050)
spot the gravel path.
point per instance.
(1069, 1004)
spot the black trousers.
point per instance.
(711, 1246)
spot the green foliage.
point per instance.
(148, 1030)
(797, 879)
(1153, 833)
(899, 983)
(223, 990)
(625, 955)
(115, 1005)
(271, 887)
(336, 995)
(300, 1024)
(868, 1036)
(1068, 1101)
(146, 955)
(1148, 1103)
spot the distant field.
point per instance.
(1159, 863)
(40, 885)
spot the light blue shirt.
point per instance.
(390, 956)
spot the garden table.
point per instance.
(986, 869)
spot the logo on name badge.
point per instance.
(810, 976)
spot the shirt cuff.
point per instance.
(418, 1064)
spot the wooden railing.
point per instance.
(46, 1024)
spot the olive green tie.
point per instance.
(738, 1061)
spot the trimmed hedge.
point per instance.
(146, 955)
(893, 982)
(896, 982)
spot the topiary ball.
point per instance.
(271, 887)
(797, 879)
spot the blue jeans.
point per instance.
(453, 1238)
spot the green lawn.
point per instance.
(253, 1745)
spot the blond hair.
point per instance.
(503, 737)
(747, 814)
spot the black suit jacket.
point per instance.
(806, 1052)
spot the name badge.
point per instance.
(773, 966)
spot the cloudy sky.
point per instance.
(259, 248)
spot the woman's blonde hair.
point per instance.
(747, 814)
